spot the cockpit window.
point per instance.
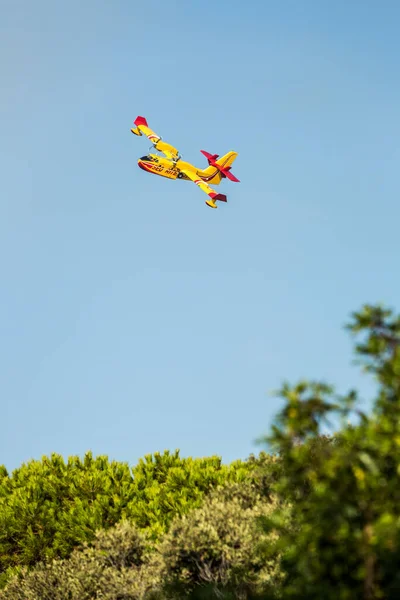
(150, 158)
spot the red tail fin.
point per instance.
(225, 171)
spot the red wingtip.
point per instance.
(140, 121)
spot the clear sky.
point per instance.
(134, 318)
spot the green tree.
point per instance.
(114, 566)
(49, 507)
(165, 486)
(213, 551)
(210, 552)
(340, 527)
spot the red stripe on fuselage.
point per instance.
(146, 168)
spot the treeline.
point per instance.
(94, 528)
(316, 517)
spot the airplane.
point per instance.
(173, 167)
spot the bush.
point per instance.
(215, 549)
(49, 507)
(116, 566)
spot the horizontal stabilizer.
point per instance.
(210, 157)
(225, 171)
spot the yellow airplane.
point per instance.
(173, 167)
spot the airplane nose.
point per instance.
(141, 165)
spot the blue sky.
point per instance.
(134, 318)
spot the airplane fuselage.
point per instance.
(158, 165)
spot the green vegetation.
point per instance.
(49, 507)
(319, 517)
(342, 539)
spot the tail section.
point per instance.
(219, 167)
(137, 122)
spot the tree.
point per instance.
(114, 566)
(49, 507)
(210, 552)
(213, 550)
(341, 537)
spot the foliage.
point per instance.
(214, 549)
(49, 507)
(264, 472)
(166, 486)
(115, 566)
(328, 506)
(211, 551)
(341, 540)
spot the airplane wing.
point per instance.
(143, 128)
(205, 187)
